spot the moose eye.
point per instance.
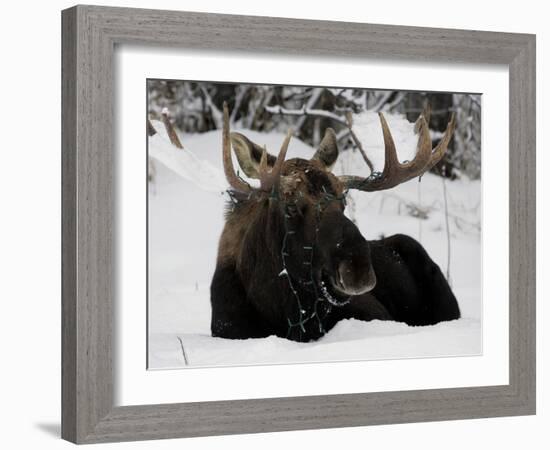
(292, 210)
(297, 209)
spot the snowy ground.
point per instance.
(186, 203)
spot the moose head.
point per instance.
(288, 242)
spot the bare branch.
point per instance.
(216, 114)
(349, 123)
(185, 359)
(447, 230)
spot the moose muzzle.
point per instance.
(354, 277)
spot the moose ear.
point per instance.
(327, 154)
(249, 155)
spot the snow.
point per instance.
(185, 163)
(186, 205)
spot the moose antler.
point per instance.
(269, 179)
(394, 172)
(174, 139)
(237, 183)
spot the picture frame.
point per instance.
(89, 37)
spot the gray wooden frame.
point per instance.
(90, 34)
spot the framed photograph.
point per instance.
(341, 230)
(323, 250)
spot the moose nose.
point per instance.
(356, 280)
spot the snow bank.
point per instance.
(186, 204)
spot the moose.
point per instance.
(291, 264)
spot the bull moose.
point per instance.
(291, 264)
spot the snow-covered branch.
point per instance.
(217, 116)
(305, 112)
(381, 101)
(315, 96)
